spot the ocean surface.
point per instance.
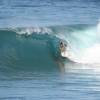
(31, 64)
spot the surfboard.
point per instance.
(64, 54)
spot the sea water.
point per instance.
(31, 65)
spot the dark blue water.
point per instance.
(31, 65)
(48, 12)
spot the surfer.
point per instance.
(62, 47)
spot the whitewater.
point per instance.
(91, 54)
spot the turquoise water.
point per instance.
(31, 65)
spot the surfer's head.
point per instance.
(62, 44)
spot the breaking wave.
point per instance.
(34, 47)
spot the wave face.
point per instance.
(37, 47)
(28, 52)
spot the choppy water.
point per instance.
(48, 12)
(31, 66)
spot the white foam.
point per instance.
(92, 55)
(89, 56)
(29, 31)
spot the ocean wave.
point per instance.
(28, 51)
(40, 46)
